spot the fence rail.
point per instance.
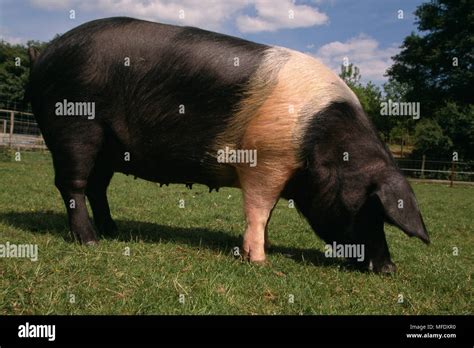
(19, 130)
(437, 169)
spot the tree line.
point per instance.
(434, 68)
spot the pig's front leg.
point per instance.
(257, 213)
(261, 191)
(379, 256)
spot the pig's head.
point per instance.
(350, 186)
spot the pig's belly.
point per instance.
(163, 169)
(168, 156)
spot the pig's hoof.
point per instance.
(91, 243)
(263, 262)
(386, 268)
(255, 258)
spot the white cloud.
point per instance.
(280, 14)
(320, 2)
(206, 14)
(53, 4)
(364, 52)
(212, 14)
(209, 14)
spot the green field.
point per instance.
(188, 252)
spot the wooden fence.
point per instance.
(19, 130)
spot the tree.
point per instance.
(14, 73)
(14, 67)
(438, 66)
(395, 90)
(400, 128)
(430, 140)
(458, 124)
(351, 75)
(369, 96)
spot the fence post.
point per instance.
(452, 174)
(401, 147)
(12, 121)
(423, 166)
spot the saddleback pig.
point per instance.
(175, 104)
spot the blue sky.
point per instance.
(367, 32)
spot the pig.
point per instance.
(163, 102)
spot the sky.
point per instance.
(365, 32)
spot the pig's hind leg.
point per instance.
(96, 192)
(74, 157)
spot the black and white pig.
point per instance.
(161, 102)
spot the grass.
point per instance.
(188, 252)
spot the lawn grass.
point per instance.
(188, 251)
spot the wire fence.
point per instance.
(15, 106)
(19, 130)
(437, 169)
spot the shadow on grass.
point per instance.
(54, 223)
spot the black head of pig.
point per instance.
(350, 186)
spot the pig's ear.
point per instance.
(400, 206)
